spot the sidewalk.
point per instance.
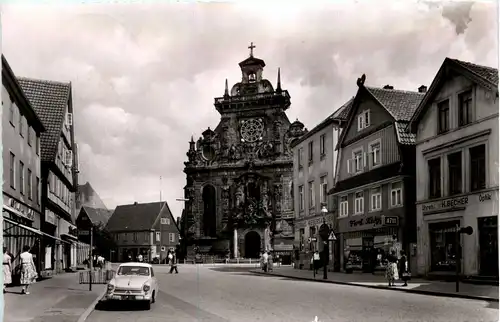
(421, 286)
(57, 299)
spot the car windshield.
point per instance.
(133, 270)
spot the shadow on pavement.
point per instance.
(120, 306)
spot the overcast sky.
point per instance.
(144, 76)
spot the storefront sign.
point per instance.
(451, 203)
(390, 220)
(50, 217)
(361, 222)
(484, 197)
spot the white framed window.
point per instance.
(359, 202)
(301, 198)
(68, 160)
(165, 221)
(376, 199)
(363, 120)
(171, 237)
(312, 199)
(396, 194)
(323, 192)
(158, 236)
(374, 152)
(301, 157)
(359, 160)
(344, 206)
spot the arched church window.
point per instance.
(209, 211)
(252, 77)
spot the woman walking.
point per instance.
(403, 268)
(391, 272)
(7, 268)
(28, 269)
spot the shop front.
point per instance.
(283, 251)
(437, 222)
(366, 240)
(68, 234)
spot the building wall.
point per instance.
(169, 233)
(469, 206)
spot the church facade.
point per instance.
(239, 176)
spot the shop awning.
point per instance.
(30, 229)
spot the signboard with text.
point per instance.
(458, 203)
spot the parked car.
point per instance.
(133, 282)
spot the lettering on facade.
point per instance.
(484, 197)
(446, 204)
(366, 221)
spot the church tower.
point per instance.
(239, 175)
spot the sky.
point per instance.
(145, 77)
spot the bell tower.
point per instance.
(251, 68)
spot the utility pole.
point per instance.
(161, 229)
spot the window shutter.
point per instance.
(365, 161)
(367, 121)
(348, 166)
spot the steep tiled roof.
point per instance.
(343, 111)
(403, 133)
(488, 73)
(400, 104)
(135, 217)
(98, 215)
(49, 99)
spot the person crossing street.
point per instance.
(172, 260)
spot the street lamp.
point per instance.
(324, 232)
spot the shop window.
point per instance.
(344, 206)
(443, 116)
(455, 173)
(359, 202)
(434, 166)
(443, 245)
(477, 167)
(396, 194)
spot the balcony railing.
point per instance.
(250, 97)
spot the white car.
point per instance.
(133, 282)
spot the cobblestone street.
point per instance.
(204, 293)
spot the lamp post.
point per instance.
(324, 233)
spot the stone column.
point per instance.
(235, 243)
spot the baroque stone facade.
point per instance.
(239, 175)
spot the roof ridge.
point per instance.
(47, 81)
(473, 64)
(395, 90)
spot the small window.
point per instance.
(68, 160)
(21, 124)
(344, 206)
(312, 198)
(21, 177)
(375, 154)
(12, 113)
(444, 116)
(359, 203)
(322, 144)
(434, 167)
(12, 171)
(171, 237)
(37, 187)
(158, 236)
(311, 151)
(301, 198)
(396, 194)
(376, 199)
(252, 77)
(30, 187)
(455, 173)
(358, 161)
(30, 136)
(134, 236)
(465, 110)
(69, 119)
(324, 189)
(477, 167)
(301, 157)
(165, 221)
(363, 120)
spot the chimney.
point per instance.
(388, 87)
(135, 203)
(422, 89)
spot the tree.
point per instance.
(103, 240)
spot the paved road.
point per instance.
(218, 295)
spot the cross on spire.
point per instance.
(251, 47)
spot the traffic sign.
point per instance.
(332, 236)
(83, 232)
(312, 239)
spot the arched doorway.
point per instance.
(209, 211)
(252, 244)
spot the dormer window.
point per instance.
(363, 120)
(252, 78)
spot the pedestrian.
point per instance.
(173, 263)
(139, 258)
(316, 259)
(265, 261)
(28, 269)
(403, 268)
(391, 272)
(270, 264)
(261, 260)
(7, 268)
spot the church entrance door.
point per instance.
(252, 245)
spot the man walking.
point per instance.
(172, 259)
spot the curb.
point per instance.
(431, 293)
(91, 308)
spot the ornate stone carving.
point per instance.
(266, 150)
(252, 130)
(284, 228)
(278, 188)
